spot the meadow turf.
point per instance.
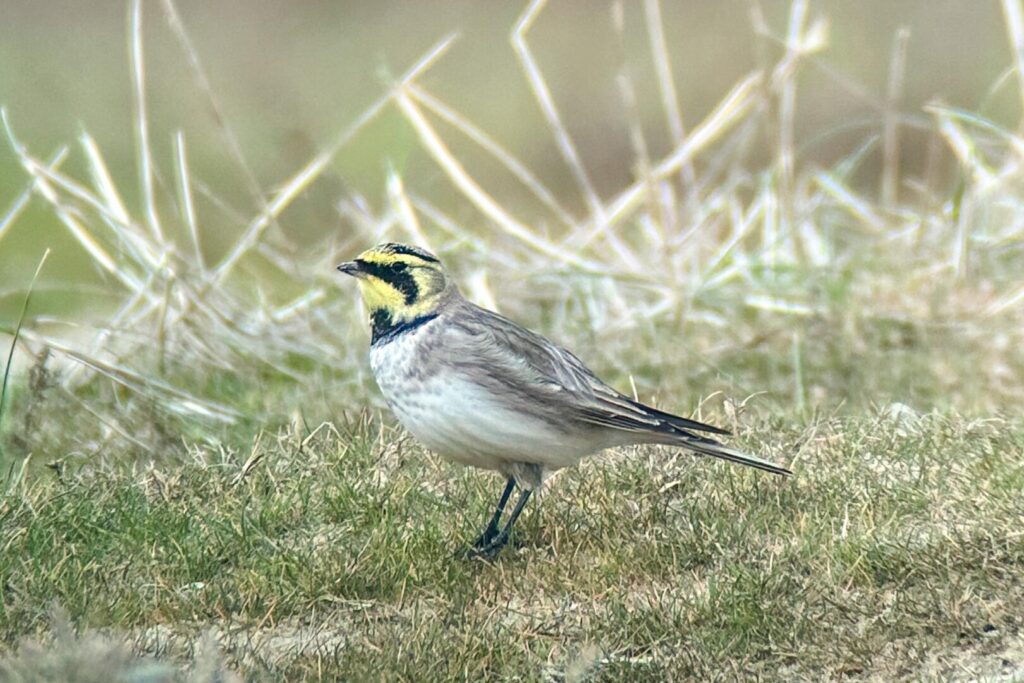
(894, 552)
(199, 482)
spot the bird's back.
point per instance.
(537, 375)
(527, 373)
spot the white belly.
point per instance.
(463, 421)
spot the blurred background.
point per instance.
(845, 232)
(289, 76)
(800, 220)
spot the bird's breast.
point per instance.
(438, 401)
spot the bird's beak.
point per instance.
(351, 268)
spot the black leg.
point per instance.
(492, 529)
(499, 541)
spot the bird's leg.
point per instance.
(499, 541)
(492, 529)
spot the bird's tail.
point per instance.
(706, 446)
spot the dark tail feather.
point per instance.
(706, 446)
(679, 422)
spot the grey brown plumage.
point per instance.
(528, 369)
(481, 390)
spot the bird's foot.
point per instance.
(486, 547)
(486, 538)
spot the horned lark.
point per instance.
(479, 389)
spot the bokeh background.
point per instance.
(289, 76)
(786, 268)
(195, 459)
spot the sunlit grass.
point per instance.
(194, 463)
(897, 536)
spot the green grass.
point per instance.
(196, 481)
(894, 551)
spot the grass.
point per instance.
(895, 552)
(197, 484)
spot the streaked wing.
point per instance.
(520, 362)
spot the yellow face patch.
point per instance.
(378, 293)
(402, 282)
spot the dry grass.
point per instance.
(735, 256)
(883, 321)
(894, 552)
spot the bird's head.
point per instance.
(399, 284)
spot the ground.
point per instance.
(198, 478)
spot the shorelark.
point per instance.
(477, 388)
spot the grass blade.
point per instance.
(17, 334)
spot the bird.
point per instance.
(478, 389)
